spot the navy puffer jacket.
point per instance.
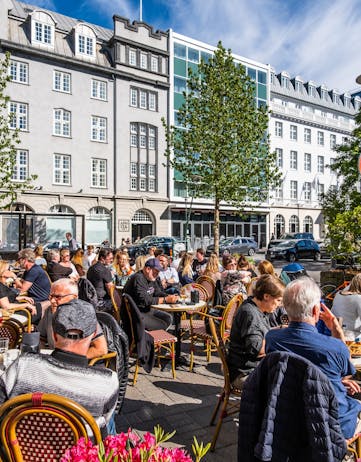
(289, 413)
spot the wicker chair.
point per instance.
(134, 326)
(199, 331)
(13, 330)
(40, 427)
(229, 397)
(204, 296)
(116, 302)
(207, 283)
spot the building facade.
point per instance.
(88, 103)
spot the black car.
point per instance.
(245, 245)
(293, 250)
(170, 245)
(288, 236)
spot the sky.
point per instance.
(318, 40)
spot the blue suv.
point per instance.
(293, 250)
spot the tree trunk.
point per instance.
(216, 226)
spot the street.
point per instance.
(312, 267)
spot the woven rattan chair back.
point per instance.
(13, 330)
(116, 302)
(40, 427)
(207, 283)
(229, 314)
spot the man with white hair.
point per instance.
(301, 300)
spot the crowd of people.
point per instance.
(52, 290)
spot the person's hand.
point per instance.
(164, 283)
(171, 298)
(327, 317)
(351, 386)
(24, 298)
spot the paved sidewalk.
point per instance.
(184, 404)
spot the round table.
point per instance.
(177, 309)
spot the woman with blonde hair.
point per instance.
(212, 267)
(78, 262)
(140, 262)
(347, 305)
(185, 271)
(122, 267)
(266, 267)
(39, 256)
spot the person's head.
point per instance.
(355, 286)
(268, 292)
(5, 272)
(301, 300)
(68, 236)
(229, 262)
(54, 255)
(90, 249)
(243, 264)
(158, 252)
(65, 255)
(39, 251)
(105, 256)
(181, 253)
(266, 267)
(74, 325)
(186, 261)
(62, 291)
(199, 254)
(212, 264)
(140, 262)
(151, 269)
(121, 259)
(26, 258)
(163, 260)
(152, 250)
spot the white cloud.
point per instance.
(317, 40)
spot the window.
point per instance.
(142, 184)
(62, 169)
(99, 129)
(99, 173)
(307, 135)
(320, 190)
(335, 98)
(143, 99)
(151, 138)
(133, 135)
(293, 160)
(19, 71)
(293, 189)
(307, 162)
(279, 192)
(154, 64)
(294, 224)
(62, 120)
(143, 61)
(332, 141)
(86, 45)
(307, 191)
(311, 90)
(293, 132)
(279, 129)
(284, 81)
(99, 89)
(298, 86)
(132, 57)
(43, 33)
(21, 166)
(320, 138)
(62, 81)
(279, 157)
(344, 139)
(18, 113)
(320, 164)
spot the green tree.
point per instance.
(9, 140)
(341, 205)
(223, 154)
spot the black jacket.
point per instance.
(289, 413)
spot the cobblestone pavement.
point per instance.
(184, 404)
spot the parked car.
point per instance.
(288, 236)
(56, 245)
(232, 245)
(293, 250)
(170, 245)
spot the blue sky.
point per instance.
(316, 39)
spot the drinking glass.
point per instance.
(4, 346)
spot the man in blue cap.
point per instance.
(146, 291)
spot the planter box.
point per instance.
(336, 277)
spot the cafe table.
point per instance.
(177, 309)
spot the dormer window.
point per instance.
(357, 103)
(347, 100)
(311, 90)
(298, 86)
(285, 80)
(42, 29)
(85, 41)
(323, 92)
(335, 97)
